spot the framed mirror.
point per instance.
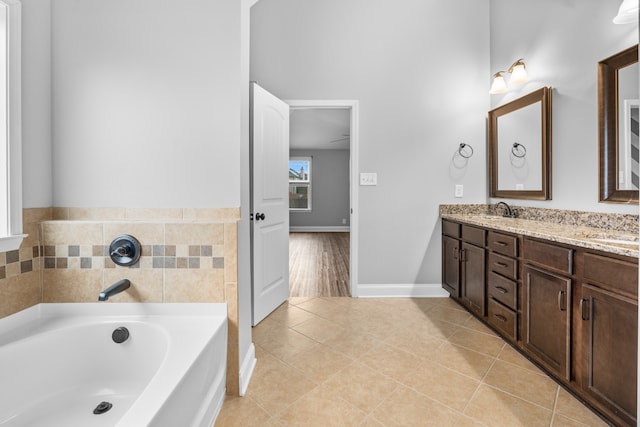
(519, 136)
(618, 127)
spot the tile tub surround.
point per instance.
(569, 227)
(188, 255)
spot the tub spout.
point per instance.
(114, 289)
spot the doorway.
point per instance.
(323, 238)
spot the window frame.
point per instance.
(306, 183)
(11, 137)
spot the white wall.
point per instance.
(146, 103)
(561, 42)
(329, 189)
(420, 70)
(36, 104)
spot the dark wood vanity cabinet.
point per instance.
(607, 307)
(546, 302)
(463, 264)
(572, 310)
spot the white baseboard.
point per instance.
(246, 369)
(402, 291)
(320, 229)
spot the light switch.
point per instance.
(368, 178)
(459, 190)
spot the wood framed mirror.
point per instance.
(519, 142)
(618, 127)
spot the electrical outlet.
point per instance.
(459, 190)
(367, 178)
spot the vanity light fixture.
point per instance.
(518, 75)
(628, 13)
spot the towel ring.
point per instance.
(465, 153)
(519, 150)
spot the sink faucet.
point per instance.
(114, 289)
(508, 212)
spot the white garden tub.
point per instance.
(59, 362)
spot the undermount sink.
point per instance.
(615, 239)
(493, 217)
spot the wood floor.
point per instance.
(319, 264)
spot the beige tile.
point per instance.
(71, 233)
(145, 232)
(318, 363)
(19, 292)
(568, 406)
(298, 300)
(451, 315)
(241, 411)
(284, 342)
(562, 421)
(523, 383)
(509, 354)
(319, 306)
(391, 361)
(231, 252)
(321, 408)
(462, 360)
(194, 234)
(490, 345)
(406, 408)
(275, 385)
(233, 351)
(291, 315)
(212, 214)
(181, 285)
(371, 421)
(71, 285)
(96, 214)
(353, 344)
(412, 341)
(441, 384)
(361, 386)
(146, 285)
(36, 215)
(433, 327)
(476, 325)
(499, 409)
(318, 329)
(60, 214)
(149, 214)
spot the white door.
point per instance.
(269, 202)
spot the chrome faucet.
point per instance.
(114, 289)
(508, 212)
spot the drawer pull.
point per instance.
(500, 317)
(582, 306)
(501, 264)
(501, 244)
(501, 290)
(561, 306)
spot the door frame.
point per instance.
(352, 106)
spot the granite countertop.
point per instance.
(606, 240)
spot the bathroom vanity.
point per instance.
(564, 296)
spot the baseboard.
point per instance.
(246, 369)
(320, 229)
(402, 291)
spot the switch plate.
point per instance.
(459, 190)
(368, 178)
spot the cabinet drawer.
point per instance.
(503, 290)
(508, 267)
(451, 228)
(503, 243)
(549, 255)
(503, 319)
(617, 275)
(473, 235)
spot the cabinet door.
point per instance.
(610, 350)
(546, 319)
(451, 266)
(473, 278)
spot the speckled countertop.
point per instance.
(623, 242)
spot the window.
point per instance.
(300, 183)
(10, 127)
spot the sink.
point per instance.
(625, 242)
(628, 240)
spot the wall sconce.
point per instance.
(628, 13)
(518, 75)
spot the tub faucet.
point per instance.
(508, 212)
(114, 289)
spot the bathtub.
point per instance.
(59, 364)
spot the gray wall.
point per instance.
(329, 189)
(420, 71)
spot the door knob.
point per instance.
(259, 216)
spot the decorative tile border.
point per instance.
(153, 256)
(14, 263)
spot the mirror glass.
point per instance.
(520, 147)
(618, 127)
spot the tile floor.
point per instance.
(393, 362)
